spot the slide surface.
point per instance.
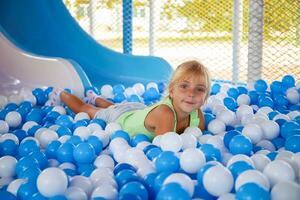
(46, 28)
(19, 69)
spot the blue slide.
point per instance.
(46, 28)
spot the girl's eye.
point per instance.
(183, 86)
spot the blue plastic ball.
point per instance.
(96, 143)
(119, 97)
(240, 144)
(233, 92)
(287, 128)
(134, 98)
(40, 96)
(119, 88)
(293, 143)
(84, 153)
(36, 115)
(40, 157)
(228, 136)
(64, 120)
(10, 107)
(215, 88)
(172, 191)
(65, 152)
(125, 176)
(260, 85)
(167, 161)
(122, 166)
(211, 152)
(239, 167)
(230, 103)
(52, 148)
(121, 134)
(265, 102)
(253, 97)
(134, 188)
(27, 147)
(8, 147)
(153, 153)
(280, 100)
(288, 81)
(159, 180)
(252, 191)
(208, 117)
(25, 163)
(139, 138)
(101, 122)
(242, 90)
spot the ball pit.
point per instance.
(249, 150)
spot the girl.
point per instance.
(187, 91)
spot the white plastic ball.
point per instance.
(29, 124)
(63, 139)
(14, 186)
(104, 161)
(7, 166)
(95, 127)
(118, 144)
(9, 136)
(13, 119)
(52, 181)
(67, 165)
(188, 141)
(265, 110)
(4, 128)
(240, 157)
(252, 176)
(270, 129)
(83, 132)
(212, 180)
(135, 157)
(31, 98)
(293, 96)
(81, 116)
(60, 109)
(183, 180)
(293, 114)
(75, 193)
(139, 88)
(82, 182)
(106, 91)
(204, 138)
(173, 146)
(145, 169)
(156, 140)
(243, 99)
(279, 170)
(129, 91)
(243, 110)
(266, 144)
(46, 137)
(227, 116)
(100, 173)
(112, 127)
(285, 190)
(281, 116)
(217, 142)
(260, 161)
(143, 145)
(216, 126)
(191, 160)
(227, 196)
(152, 85)
(195, 131)
(103, 137)
(254, 132)
(105, 191)
(247, 119)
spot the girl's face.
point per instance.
(188, 95)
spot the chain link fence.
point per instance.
(238, 40)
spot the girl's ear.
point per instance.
(171, 93)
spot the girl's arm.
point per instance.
(161, 119)
(202, 120)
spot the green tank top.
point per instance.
(133, 121)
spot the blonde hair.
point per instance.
(190, 69)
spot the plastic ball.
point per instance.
(230, 103)
(84, 153)
(265, 101)
(125, 176)
(243, 99)
(119, 97)
(105, 192)
(252, 191)
(122, 134)
(293, 143)
(8, 147)
(167, 161)
(253, 176)
(287, 128)
(293, 96)
(191, 160)
(106, 91)
(212, 183)
(13, 119)
(28, 146)
(260, 161)
(260, 85)
(279, 170)
(182, 179)
(112, 127)
(40, 96)
(65, 152)
(285, 190)
(7, 166)
(288, 81)
(239, 167)
(134, 188)
(52, 181)
(215, 88)
(240, 144)
(64, 120)
(228, 136)
(75, 193)
(139, 138)
(216, 126)
(83, 132)
(210, 152)
(173, 146)
(172, 191)
(233, 92)
(254, 132)
(4, 127)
